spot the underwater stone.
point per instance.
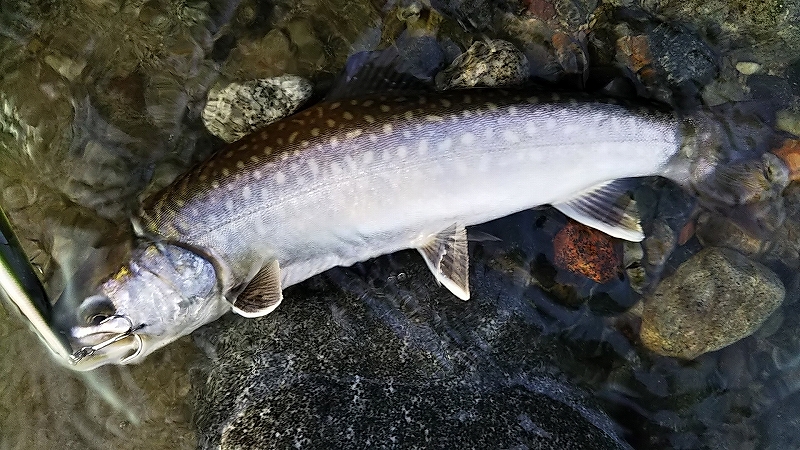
(714, 299)
(682, 55)
(490, 63)
(398, 365)
(239, 108)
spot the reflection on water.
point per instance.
(101, 100)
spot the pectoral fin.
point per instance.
(606, 208)
(446, 255)
(262, 295)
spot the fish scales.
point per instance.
(348, 180)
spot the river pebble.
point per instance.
(239, 108)
(714, 299)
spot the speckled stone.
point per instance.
(490, 63)
(714, 299)
(240, 108)
(403, 365)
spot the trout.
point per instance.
(346, 181)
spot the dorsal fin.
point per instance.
(263, 294)
(446, 255)
(606, 208)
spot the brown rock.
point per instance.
(586, 251)
(714, 299)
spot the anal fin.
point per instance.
(606, 207)
(447, 257)
(262, 295)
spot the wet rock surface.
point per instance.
(397, 365)
(715, 298)
(237, 109)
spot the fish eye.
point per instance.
(96, 309)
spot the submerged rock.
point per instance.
(714, 299)
(239, 108)
(490, 63)
(359, 366)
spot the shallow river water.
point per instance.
(101, 101)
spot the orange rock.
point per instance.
(586, 251)
(789, 152)
(634, 52)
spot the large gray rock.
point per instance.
(714, 299)
(404, 365)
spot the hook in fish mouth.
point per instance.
(129, 332)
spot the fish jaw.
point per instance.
(164, 292)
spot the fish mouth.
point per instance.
(113, 341)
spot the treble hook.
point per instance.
(84, 352)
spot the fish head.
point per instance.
(161, 293)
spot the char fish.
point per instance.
(346, 181)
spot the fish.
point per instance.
(348, 180)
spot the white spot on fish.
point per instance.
(510, 136)
(402, 151)
(229, 204)
(354, 133)
(387, 128)
(214, 185)
(407, 134)
(468, 138)
(531, 129)
(315, 132)
(433, 118)
(347, 115)
(254, 158)
(466, 113)
(445, 102)
(368, 118)
(240, 164)
(385, 108)
(408, 115)
(336, 169)
(369, 157)
(281, 125)
(335, 105)
(331, 123)
(293, 136)
(229, 153)
(304, 143)
(353, 102)
(555, 97)
(334, 142)
(258, 175)
(280, 178)
(313, 167)
(513, 110)
(445, 144)
(422, 150)
(491, 106)
(225, 172)
(368, 103)
(279, 141)
(267, 150)
(246, 193)
(532, 99)
(372, 138)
